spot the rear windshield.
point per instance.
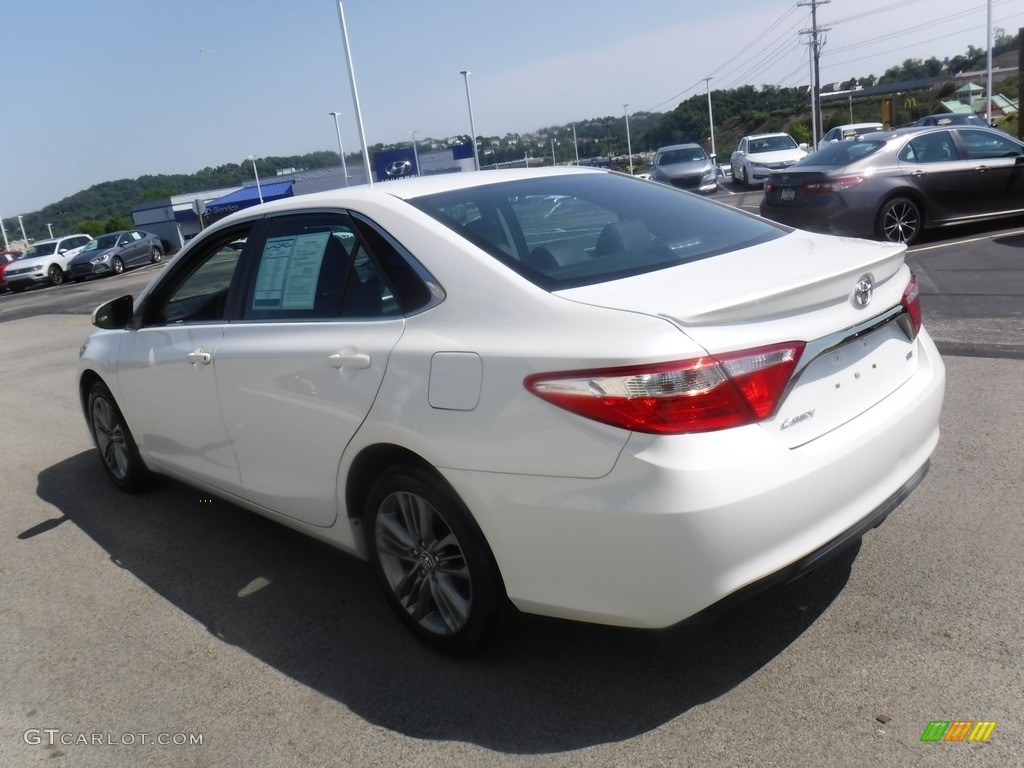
(570, 230)
(841, 152)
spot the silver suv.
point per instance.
(45, 262)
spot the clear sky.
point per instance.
(117, 89)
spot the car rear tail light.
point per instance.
(698, 395)
(832, 185)
(911, 302)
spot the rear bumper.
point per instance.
(685, 522)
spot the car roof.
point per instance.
(405, 189)
(766, 135)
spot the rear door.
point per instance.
(299, 369)
(932, 163)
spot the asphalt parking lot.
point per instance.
(173, 629)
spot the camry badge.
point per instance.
(862, 293)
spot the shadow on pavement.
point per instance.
(316, 615)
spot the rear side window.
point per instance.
(317, 266)
(564, 231)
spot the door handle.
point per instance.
(199, 357)
(345, 359)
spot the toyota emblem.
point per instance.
(862, 293)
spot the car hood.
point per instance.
(32, 261)
(780, 156)
(798, 272)
(680, 169)
(86, 256)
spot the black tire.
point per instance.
(433, 563)
(117, 265)
(118, 452)
(155, 255)
(900, 220)
(55, 275)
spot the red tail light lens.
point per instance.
(833, 185)
(698, 395)
(911, 301)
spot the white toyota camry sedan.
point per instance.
(567, 392)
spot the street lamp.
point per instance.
(575, 144)
(50, 228)
(3, 229)
(22, 225)
(415, 154)
(259, 190)
(472, 125)
(629, 144)
(341, 148)
(711, 121)
(355, 95)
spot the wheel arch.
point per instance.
(908, 192)
(368, 464)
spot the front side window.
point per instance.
(988, 145)
(197, 291)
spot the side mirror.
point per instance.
(803, 145)
(115, 314)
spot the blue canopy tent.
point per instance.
(248, 196)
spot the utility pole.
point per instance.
(817, 42)
(711, 122)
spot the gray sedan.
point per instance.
(112, 253)
(893, 185)
(686, 166)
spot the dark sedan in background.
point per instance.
(892, 185)
(112, 253)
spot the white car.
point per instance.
(628, 408)
(848, 131)
(46, 262)
(758, 155)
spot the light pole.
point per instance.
(575, 144)
(554, 160)
(50, 228)
(629, 143)
(711, 122)
(472, 126)
(3, 229)
(23, 235)
(341, 147)
(415, 153)
(355, 95)
(259, 189)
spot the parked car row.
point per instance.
(79, 256)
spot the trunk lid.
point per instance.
(801, 287)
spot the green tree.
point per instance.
(117, 223)
(90, 227)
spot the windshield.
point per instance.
(101, 243)
(566, 231)
(772, 144)
(687, 155)
(41, 249)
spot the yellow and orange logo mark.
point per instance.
(958, 730)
